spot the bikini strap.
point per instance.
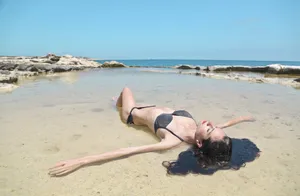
(130, 117)
(149, 106)
(174, 134)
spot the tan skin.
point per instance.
(190, 131)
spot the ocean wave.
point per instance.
(189, 66)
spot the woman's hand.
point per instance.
(65, 167)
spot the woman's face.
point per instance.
(206, 130)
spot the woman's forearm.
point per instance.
(236, 121)
(106, 156)
(64, 167)
(127, 151)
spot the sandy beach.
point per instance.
(55, 118)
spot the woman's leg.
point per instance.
(126, 102)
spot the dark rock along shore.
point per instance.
(269, 69)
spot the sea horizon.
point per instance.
(156, 59)
(201, 62)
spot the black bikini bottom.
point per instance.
(163, 120)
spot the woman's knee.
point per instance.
(126, 90)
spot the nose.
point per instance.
(210, 124)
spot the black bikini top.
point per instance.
(163, 120)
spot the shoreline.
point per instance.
(13, 68)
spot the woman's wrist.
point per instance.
(84, 160)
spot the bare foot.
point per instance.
(115, 99)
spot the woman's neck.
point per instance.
(191, 137)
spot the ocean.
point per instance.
(172, 62)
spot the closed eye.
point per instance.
(208, 130)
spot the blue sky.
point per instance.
(164, 29)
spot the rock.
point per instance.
(61, 68)
(36, 60)
(68, 56)
(185, 67)
(55, 59)
(45, 63)
(33, 69)
(259, 80)
(26, 73)
(27, 67)
(274, 68)
(83, 62)
(283, 69)
(46, 67)
(65, 68)
(259, 69)
(200, 74)
(297, 80)
(291, 70)
(7, 66)
(23, 67)
(4, 72)
(8, 78)
(112, 64)
(5, 88)
(206, 69)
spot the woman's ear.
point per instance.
(199, 144)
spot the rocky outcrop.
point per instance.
(8, 78)
(283, 69)
(185, 67)
(112, 64)
(11, 68)
(269, 69)
(249, 78)
(297, 80)
(14, 67)
(188, 67)
(258, 69)
(7, 81)
(49, 63)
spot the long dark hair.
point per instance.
(229, 153)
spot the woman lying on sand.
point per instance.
(211, 148)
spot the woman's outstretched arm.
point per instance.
(65, 167)
(236, 121)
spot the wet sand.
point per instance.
(71, 115)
